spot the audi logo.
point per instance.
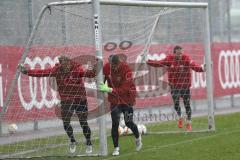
(229, 75)
(124, 45)
(153, 78)
(199, 80)
(34, 91)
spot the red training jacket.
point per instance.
(70, 85)
(179, 71)
(121, 80)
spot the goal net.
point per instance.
(31, 118)
(151, 31)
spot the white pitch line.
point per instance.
(174, 144)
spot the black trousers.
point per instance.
(127, 111)
(185, 95)
(81, 110)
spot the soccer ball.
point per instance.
(139, 126)
(120, 131)
(122, 123)
(142, 129)
(127, 131)
(12, 128)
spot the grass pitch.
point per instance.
(222, 144)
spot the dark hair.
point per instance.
(176, 48)
(63, 58)
(114, 59)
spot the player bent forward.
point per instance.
(122, 96)
(72, 94)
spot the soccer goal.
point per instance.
(88, 30)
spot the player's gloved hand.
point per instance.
(95, 66)
(204, 67)
(144, 58)
(104, 88)
(22, 68)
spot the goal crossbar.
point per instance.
(137, 3)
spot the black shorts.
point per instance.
(177, 93)
(71, 107)
(127, 111)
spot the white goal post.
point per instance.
(99, 39)
(207, 43)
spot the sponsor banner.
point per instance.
(226, 68)
(35, 98)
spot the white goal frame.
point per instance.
(97, 22)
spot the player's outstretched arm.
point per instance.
(204, 66)
(161, 63)
(196, 67)
(22, 69)
(37, 72)
(84, 72)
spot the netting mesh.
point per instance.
(129, 31)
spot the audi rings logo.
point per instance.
(33, 93)
(199, 80)
(149, 81)
(228, 69)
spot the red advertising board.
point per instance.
(33, 99)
